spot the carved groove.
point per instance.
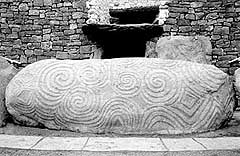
(122, 95)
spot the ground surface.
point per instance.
(232, 130)
(10, 152)
(26, 141)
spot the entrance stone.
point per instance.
(188, 48)
(7, 71)
(123, 96)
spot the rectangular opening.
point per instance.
(135, 15)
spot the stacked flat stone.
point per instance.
(43, 29)
(207, 18)
(124, 96)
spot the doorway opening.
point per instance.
(127, 33)
(135, 15)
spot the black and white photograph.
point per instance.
(119, 77)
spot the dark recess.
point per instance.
(135, 15)
(122, 40)
(128, 37)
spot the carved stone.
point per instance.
(7, 71)
(124, 96)
(188, 48)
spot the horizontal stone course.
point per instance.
(214, 19)
(38, 24)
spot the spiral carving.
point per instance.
(93, 75)
(127, 83)
(121, 96)
(54, 79)
(79, 105)
(161, 87)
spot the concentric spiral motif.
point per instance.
(54, 79)
(161, 87)
(121, 96)
(79, 105)
(93, 75)
(126, 83)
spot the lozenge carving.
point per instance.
(125, 96)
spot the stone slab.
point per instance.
(123, 96)
(223, 143)
(182, 144)
(21, 142)
(7, 71)
(188, 48)
(61, 143)
(117, 144)
(124, 144)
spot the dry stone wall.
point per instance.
(98, 12)
(218, 20)
(33, 30)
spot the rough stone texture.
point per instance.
(127, 95)
(98, 12)
(49, 27)
(237, 79)
(217, 20)
(237, 84)
(7, 71)
(43, 29)
(59, 32)
(184, 48)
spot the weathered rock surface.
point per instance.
(237, 84)
(237, 79)
(7, 71)
(127, 95)
(188, 48)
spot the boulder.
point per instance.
(7, 71)
(237, 85)
(123, 96)
(188, 48)
(237, 79)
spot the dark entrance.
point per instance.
(125, 44)
(135, 15)
(128, 33)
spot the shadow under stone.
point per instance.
(128, 40)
